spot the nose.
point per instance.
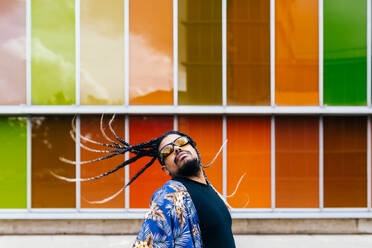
(177, 149)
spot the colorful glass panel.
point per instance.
(199, 52)
(12, 52)
(50, 142)
(53, 52)
(345, 52)
(248, 152)
(101, 52)
(296, 52)
(248, 52)
(151, 52)
(13, 166)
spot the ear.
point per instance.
(165, 170)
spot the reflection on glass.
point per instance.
(296, 162)
(142, 129)
(102, 52)
(151, 52)
(13, 166)
(345, 161)
(248, 151)
(51, 141)
(12, 52)
(200, 52)
(296, 52)
(206, 131)
(104, 187)
(248, 52)
(345, 52)
(53, 52)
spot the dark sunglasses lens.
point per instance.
(181, 141)
(168, 149)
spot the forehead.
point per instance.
(168, 139)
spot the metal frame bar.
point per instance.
(175, 52)
(224, 156)
(321, 48)
(369, 18)
(126, 53)
(272, 52)
(321, 165)
(28, 52)
(28, 162)
(272, 135)
(77, 52)
(168, 109)
(224, 52)
(127, 171)
(77, 167)
(369, 163)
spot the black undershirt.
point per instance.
(214, 217)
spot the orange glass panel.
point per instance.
(345, 162)
(143, 129)
(51, 141)
(206, 131)
(248, 151)
(151, 51)
(296, 52)
(248, 52)
(200, 52)
(102, 52)
(12, 52)
(104, 187)
(297, 162)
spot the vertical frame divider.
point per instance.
(175, 122)
(77, 157)
(28, 102)
(29, 164)
(273, 196)
(369, 18)
(321, 164)
(224, 52)
(320, 52)
(224, 156)
(77, 52)
(175, 52)
(272, 53)
(77, 102)
(126, 170)
(28, 52)
(126, 53)
(369, 162)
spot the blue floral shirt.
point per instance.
(172, 220)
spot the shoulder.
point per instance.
(169, 188)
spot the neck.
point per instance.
(198, 178)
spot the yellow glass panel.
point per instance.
(200, 52)
(102, 52)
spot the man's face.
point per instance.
(181, 157)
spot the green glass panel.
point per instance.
(345, 50)
(53, 52)
(13, 166)
(200, 52)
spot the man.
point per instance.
(186, 211)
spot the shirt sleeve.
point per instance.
(156, 229)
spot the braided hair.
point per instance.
(120, 147)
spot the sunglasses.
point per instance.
(169, 148)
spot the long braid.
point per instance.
(145, 149)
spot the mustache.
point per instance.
(176, 157)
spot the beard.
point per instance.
(189, 168)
